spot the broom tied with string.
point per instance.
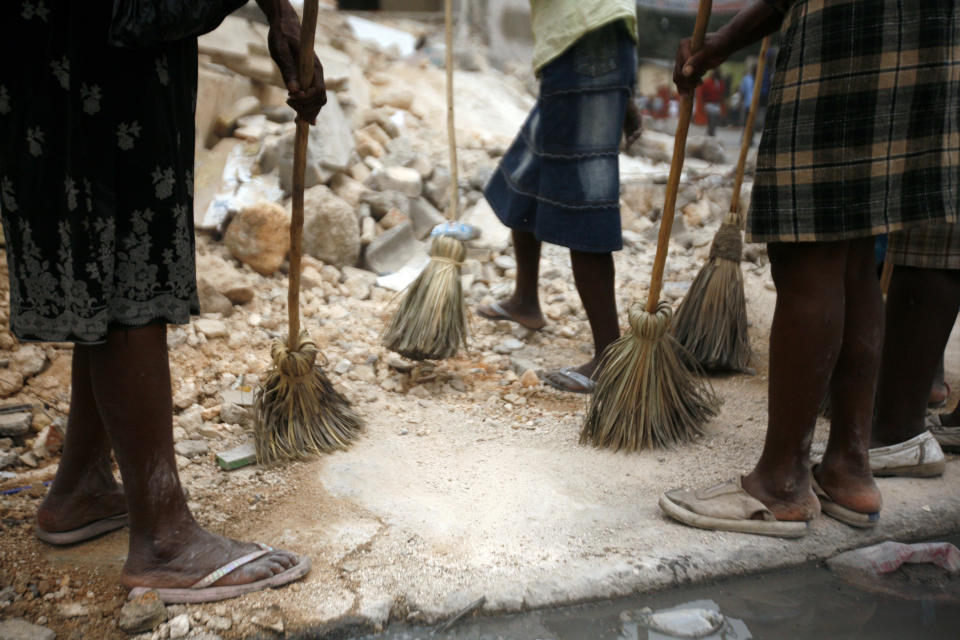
(711, 321)
(298, 411)
(430, 322)
(647, 396)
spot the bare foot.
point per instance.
(793, 503)
(91, 500)
(190, 554)
(939, 394)
(531, 318)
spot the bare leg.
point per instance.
(130, 379)
(524, 305)
(939, 392)
(844, 473)
(806, 342)
(594, 276)
(922, 307)
(84, 489)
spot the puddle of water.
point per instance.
(803, 603)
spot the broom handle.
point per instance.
(748, 130)
(452, 213)
(676, 167)
(308, 31)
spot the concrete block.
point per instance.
(392, 249)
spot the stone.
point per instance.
(359, 171)
(72, 610)
(367, 146)
(392, 249)
(191, 448)
(375, 131)
(7, 458)
(505, 262)
(424, 217)
(259, 236)
(521, 365)
(211, 327)
(329, 150)
(234, 414)
(28, 459)
(422, 164)
(706, 148)
(508, 346)
(179, 626)
(349, 190)
(144, 613)
(368, 232)
(237, 457)
(381, 202)
(227, 119)
(15, 424)
(480, 176)
(191, 419)
(331, 232)
(219, 623)
(10, 383)
(211, 300)
(358, 282)
(493, 234)
(396, 98)
(241, 294)
(48, 441)
(29, 360)
(530, 379)
(437, 188)
(392, 219)
(20, 629)
(400, 179)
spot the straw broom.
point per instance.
(646, 395)
(298, 411)
(711, 322)
(431, 321)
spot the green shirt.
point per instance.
(557, 24)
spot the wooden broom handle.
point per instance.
(452, 212)
(748, 129)
(308, 31)
(676, 168)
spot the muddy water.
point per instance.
(803, 603)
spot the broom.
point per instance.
(298, 411)
(431, 321)
(711, 321)
(646, 395)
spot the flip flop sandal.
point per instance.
(84, 533)
(836, 511)
(728, 507)
(202, 591)
(499, 313)
(588, 385)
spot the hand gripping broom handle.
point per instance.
(748, 129)
(452, 213)
(676, 167)
(308, 31)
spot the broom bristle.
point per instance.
(298, 410)
(647, 396)
(711, 322)
(431, 320)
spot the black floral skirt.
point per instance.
(96, 174)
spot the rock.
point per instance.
(521, 365)
(179, 626)
(191, 419)
(259, 236)
(480, 176)
(505, 262)
(349, 190)
(72, 610)
(28, 459)
(144, 613)
(10, 383)
(437, 188)
(342, 367)
(359, 171)
(227, 119)
(329, 150)
(400, 179)
(191, 448)
(234, 414)
(424, 217)
(20, 629)
(706, 148)
(241, 294)
(530, 378)
(396, 98)
(211, 300)
(393, 218)
(219, 623)
(7, 458)
(392, 249)
(375, 131)
(493, 234)
(368, 232)
(508, 346)
(29, 360)
(48, 441)
(211, 327)
(422, 164)
(367, 145)
(15, 424)
(381, 202)
(358, 282)
(330, 229)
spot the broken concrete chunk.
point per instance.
(393, 249)
(144, 613)
(400, 179)
(15, 424)
(20, 629)
(240, 456)
(331, 232)
(191, 448)
(424, 217)
(260, 237)
(227, 119)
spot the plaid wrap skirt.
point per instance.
(928, 246)
(862, 132)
